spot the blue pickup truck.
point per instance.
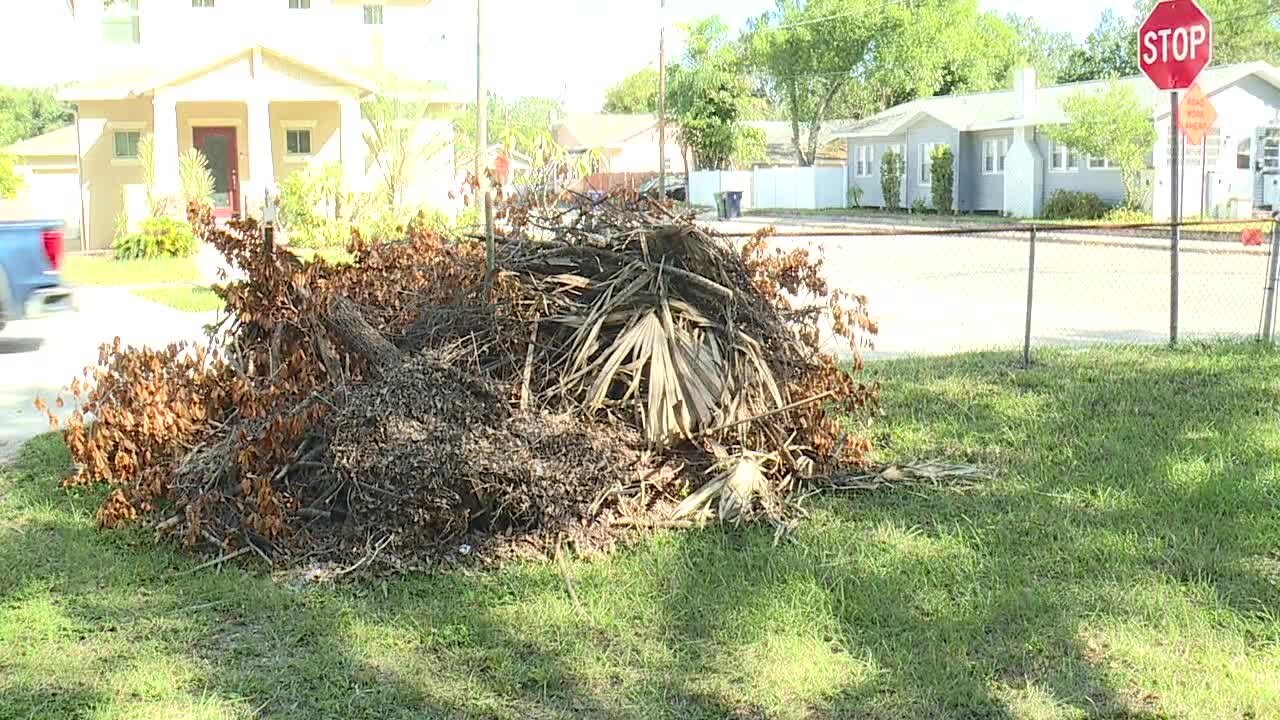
(30, 261)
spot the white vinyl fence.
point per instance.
(788, 188)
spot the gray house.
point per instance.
(1006, 164)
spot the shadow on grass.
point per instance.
(1134, 503)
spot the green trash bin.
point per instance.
(722, 206)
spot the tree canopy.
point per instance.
(709, 95)
(636, 93)
(1114, 125)
(26, 112)
(510, 123)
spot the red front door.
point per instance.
(219, 147)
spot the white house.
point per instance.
(260, 87)
(1006, 164)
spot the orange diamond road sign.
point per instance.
(1196, 115)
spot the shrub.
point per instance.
(195, 178)
(158, 237)
(892, 170)
(1072, 205)
(310, 211)
(943, 163)
(10, 181)
(919, 206)
(1126, 216)
(855, 196)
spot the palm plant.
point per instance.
(195, 178)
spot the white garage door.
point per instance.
(55, 195)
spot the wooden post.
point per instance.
(482, 139)
(1031, 293)
(662, 100)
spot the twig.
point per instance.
(762, 416)
(568, 582)
(385, 541)
(527, 380)
(215, 562)
(659, 524)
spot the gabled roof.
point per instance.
(57, 143)
(603, 130)
(144, 77)
(780, 146)
(997, 110)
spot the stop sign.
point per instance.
(1175, 44)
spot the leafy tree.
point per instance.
(508, 120)
(824, 58)
(1109, 51)
(709, 95)
(806, 55)
(1243, 30)
(752, 147)
(1049, 52)
(893, 168)
(943, 166)
(395, 141)
(1115, 125)
(26, 113)
(637, 93)
(10, 182)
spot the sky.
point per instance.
(568, 49)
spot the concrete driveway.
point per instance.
(38, 358)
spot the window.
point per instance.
(865, 165)
(994, 152)
(299, 4)
(297, 142)
(1097, 163)
(1062, 159)
(202, 3)
(120, 22)
(372, 14)
(1244, 154)
(926, 163)
(126, 144)
(1271, 150)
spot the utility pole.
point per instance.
(662, 100)
(482, 138)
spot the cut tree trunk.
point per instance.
(347, 323)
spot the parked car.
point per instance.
(676, 189)
(30, 278)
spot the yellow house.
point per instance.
(257, 110)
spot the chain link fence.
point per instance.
(972, 289)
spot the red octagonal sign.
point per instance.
(1175, 44)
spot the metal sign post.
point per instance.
(1175, 217)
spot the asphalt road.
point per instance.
(38, 358)
(944, 294)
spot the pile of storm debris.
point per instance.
(619, 367)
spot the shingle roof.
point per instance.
(778, 140)
(993, 110)
(58, 143)
(602, 130)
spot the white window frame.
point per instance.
(203, 4)
(126, 127)
(365, 14)
(127, 9)
(1070, 161)
(1100, 164)
(308, 126)
(996, 150)
(864, 166)
(299, 4)
(925, 167)
(1269, 151)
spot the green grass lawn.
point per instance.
(106, 270)
(184, 298)
(1124, 564)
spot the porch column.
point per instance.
(164, 139)
(262, 170)
(354, 150)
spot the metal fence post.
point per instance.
(1175, 218)
(1273, 269)
(1031, 292)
